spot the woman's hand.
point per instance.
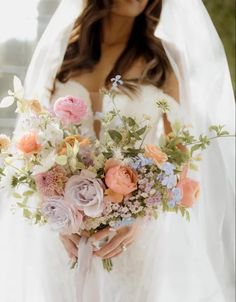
(71, 244)
(124, 237)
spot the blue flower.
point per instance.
(171, 204)
(124, 222)
(176, 195)
(116, 81)
(168, 168)
(141, 161)
(169, 181)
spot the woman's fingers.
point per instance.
(111, 245)
(71, 243)
(119, 250)
(100, 235)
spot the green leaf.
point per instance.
(195, 148)
(69, 150)
(28, 193)
(115, 136)
(16, 195)
(141, 131)
(76, 148)
(61, 160)
(27, 214)
(131, 121)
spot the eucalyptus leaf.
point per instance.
(141, 131)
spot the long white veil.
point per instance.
(206, 95)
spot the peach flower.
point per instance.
(190, 189)
(155, 154)
(83, 142)
(4, 142)
(121, 179)
(35, 106)
(111, 162)
(28, 144)
(111, 196)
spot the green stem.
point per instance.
(210, 138)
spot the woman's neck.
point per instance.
(117, 29)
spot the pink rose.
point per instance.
(85, 192)
(70, 110)
(121, 179)
(190, 189)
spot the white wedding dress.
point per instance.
(167, 263)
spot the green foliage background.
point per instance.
(223, 16)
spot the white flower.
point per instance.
(46, 163)
(52, 133)
(6, 181)
(17, 93)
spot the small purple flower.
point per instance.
(168, 168)
(169, 181)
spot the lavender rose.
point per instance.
(61, 215)
(85, 191)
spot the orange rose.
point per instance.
(83, 142)
(190, 189)
(28, 144)
(155, 154)
(121, 179)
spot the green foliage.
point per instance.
(223, 16)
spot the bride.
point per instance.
(160, 54)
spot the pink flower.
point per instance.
(121, 179)
(190, 189)
(85, 192)
(28, 144)
(70, 110)
(51, 183)
(61, 215)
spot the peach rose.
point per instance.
(121, 179)
(83, 142)
(28, 144)
(190, 189)
(155, 154)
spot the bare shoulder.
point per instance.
(171, 86)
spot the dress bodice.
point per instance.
(142, 104)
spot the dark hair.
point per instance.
(84, 48)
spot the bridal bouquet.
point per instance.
(82, 183)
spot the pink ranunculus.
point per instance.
(190, 189)
(86, 192)
(121, 179)
(61, 215)
(70, 110)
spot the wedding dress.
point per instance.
(172, 260)
(167, 262)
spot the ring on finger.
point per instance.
(124, 247)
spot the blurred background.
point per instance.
(22, 23)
